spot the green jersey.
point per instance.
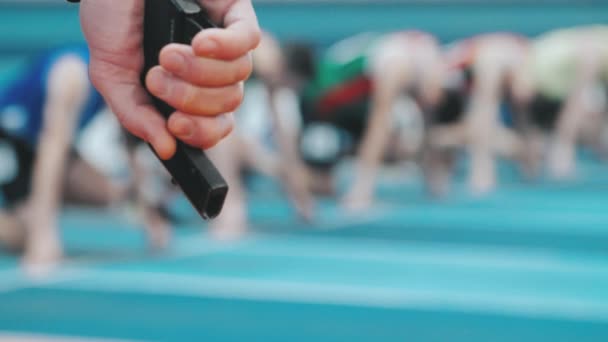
(343, 62)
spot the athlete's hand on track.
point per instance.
(203, 81)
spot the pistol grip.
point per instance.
(177, 21)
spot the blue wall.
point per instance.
(325, 23)
(26, 28)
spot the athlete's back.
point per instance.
(22, 101)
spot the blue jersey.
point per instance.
(22, 101)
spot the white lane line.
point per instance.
(10, 336)
(9, 279)
(525, 221)
(339, 294)
(192, 246)
(346, 220)
(16, 279)
(376, 250)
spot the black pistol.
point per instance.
(178, 21)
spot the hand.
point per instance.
(202, 81)
(296, 181)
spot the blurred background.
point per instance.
(290, 258)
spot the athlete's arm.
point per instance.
(271, 67)
(575, 112)
(389, 76)
(284, 103)
(201, 81)
(67, 88)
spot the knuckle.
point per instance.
(187, 96)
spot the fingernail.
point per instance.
(208, 47)
(175, 61)
(184, 128)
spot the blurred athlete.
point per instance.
(408, 62)
(265, 141)
(483, 74)
(567, 71)
(41, 114)
(352, 103)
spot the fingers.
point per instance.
(181, 61)
(199, 81)
(206, 79)
(240, 35)
(203, 132)
(144, 122)
(192, 99)
(129, 101)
